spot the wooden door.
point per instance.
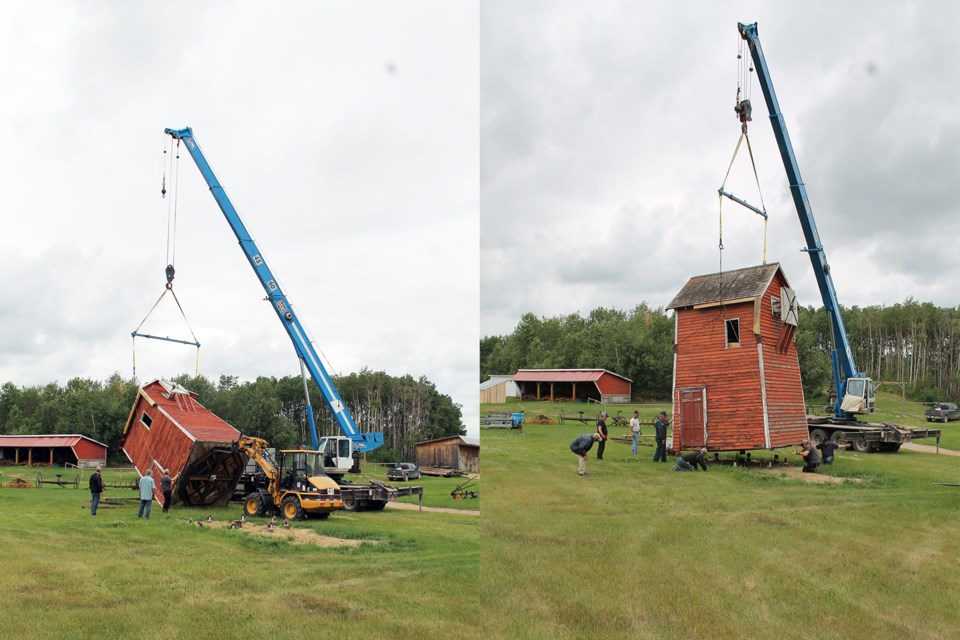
(693, 417)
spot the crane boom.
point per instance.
(844, 368)
(281, 305)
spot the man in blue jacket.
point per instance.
(660, 427)
(580, 447)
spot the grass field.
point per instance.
(634, 550)
(65, 574)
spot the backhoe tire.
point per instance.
(322, 516)
(290, 508)
(818, 436)
(254, 505)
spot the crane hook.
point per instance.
(170, 274)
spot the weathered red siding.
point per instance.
(786, 410)
(612, 385)
(181, 434)
(732, 376)
(87, 450)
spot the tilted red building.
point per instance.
(168, 429)
(736, 375)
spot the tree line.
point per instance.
(917, 344)
(405, 409)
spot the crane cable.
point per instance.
(743, 110)
(171, 258)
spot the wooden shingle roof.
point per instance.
(738, 284)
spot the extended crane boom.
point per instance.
(281, 305)
(854, 390)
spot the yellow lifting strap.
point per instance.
(136, 332)
(721, 193)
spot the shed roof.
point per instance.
(494, 381)
(191, 416)
(563, 375)
(45, 441)
(470, 442)
(738, 284)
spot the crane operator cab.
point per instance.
(858, 396)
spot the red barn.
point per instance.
(573, 385)
(736, 375)
(54, 450)
(168, 429)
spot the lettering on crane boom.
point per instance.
(257, 259)
(282, 307)
(272, 285)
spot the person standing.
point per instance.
(602, 430)
(166, 487)
(146, 494)
(811, 455)
(635, 431)
(580, 447)
(660, 427)
(96, 490)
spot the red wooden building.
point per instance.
(736, 375)
(573, 385)
(53, 450)
(168, 429)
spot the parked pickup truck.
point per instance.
(942, 412)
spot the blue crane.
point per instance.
(281, 305)
(854, 390)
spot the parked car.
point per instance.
(403, 471)
(942, 412)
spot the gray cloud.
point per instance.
(360, 187)
(606, 130)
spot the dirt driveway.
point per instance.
(413, 507)
(926, 448)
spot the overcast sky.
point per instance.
(607, 128)
(346, 135)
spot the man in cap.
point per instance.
(810, 455)
(602, 430)
(580, 447)
(660, 427)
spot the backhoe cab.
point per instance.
(296, 487)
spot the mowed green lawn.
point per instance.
(634, 550)
(65, 574)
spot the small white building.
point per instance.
(498, 388)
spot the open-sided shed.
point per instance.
(736, 375)
(53, 450)
(168, 429)
(574, 385)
